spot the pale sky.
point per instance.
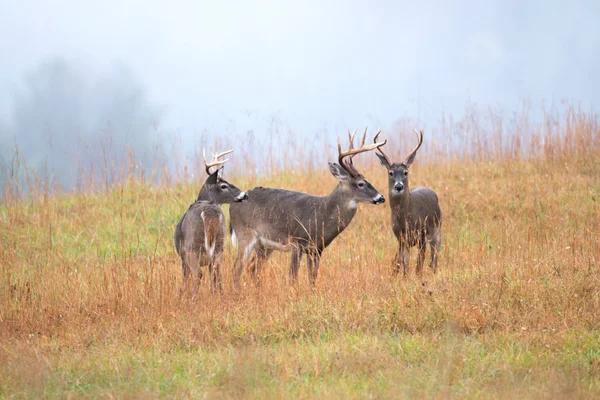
(231, 65)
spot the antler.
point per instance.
(412, 154)
(215, 159)
(351, 152)
(380, 149)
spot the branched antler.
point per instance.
(379, 148)
(215, 159)
(345, 157)
(412, 153)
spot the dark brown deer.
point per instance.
(200, 234)
(416, 214)
(278, 219)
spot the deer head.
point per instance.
(217, 189)
(353, 183)
(398, 172)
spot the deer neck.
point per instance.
(400, 203)
(339, 202)
(204, 195)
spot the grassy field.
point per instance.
(89, 286)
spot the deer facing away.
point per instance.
(300, 223)
(416, 214)
(200, 234)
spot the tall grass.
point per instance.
(90, 281)
(479, 135)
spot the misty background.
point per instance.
(86, 86)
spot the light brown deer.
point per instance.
(416, 214)
(278, 219)
(200, 234)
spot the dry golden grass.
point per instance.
(89, 290)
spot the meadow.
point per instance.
(90, 307)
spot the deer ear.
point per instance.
(409, 160)
(339, 172)
(383, 161)
(213, 178)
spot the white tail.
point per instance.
(234, 240)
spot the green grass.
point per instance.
(443, 364)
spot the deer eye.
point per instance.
(223, 186)
(405, 173)
(391, 173)
(360, 184)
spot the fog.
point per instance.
(316, 68)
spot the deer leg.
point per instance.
(245, 248)
(186, 274)
(211, 276)
(237, 268)
(397, 260)
(261, 255)
(405, 255)
(194, 262)
(295, 258)
(216, 281)
(436, 242)
(312, 262)
(219, 277)
(422, 245)
(402, 258)
(253, 261)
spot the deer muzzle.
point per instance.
(378, 199)
(243, 196)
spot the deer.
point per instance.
(200, 234)
(299, 223)
(416, 213)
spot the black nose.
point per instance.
(245, 196)
(399, 186)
